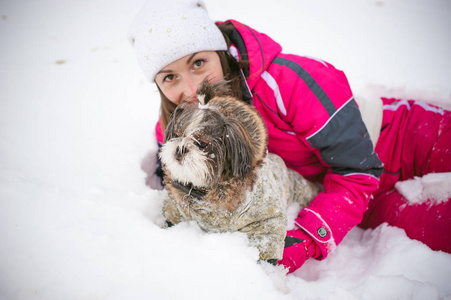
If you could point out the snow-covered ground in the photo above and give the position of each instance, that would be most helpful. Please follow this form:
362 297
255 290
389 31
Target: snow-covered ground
76 120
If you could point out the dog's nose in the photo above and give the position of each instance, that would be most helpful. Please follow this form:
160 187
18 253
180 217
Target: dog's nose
180 152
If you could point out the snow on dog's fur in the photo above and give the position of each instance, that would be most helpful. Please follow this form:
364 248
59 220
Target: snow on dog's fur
218 172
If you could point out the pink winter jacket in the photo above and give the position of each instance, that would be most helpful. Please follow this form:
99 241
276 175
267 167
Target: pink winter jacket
315 125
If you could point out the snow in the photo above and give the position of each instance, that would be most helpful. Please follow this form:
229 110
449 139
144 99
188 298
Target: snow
435 187
77 119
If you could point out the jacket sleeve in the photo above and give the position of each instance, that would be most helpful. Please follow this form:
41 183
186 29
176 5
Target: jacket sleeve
151 164
324 116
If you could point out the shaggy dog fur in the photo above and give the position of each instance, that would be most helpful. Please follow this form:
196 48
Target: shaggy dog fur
218 173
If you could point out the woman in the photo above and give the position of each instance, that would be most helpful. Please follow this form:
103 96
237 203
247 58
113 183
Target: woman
313 123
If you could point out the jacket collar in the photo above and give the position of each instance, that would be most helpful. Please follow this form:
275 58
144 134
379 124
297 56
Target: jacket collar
257 48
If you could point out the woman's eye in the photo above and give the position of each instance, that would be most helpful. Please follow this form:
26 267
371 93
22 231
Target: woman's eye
168 78
198 63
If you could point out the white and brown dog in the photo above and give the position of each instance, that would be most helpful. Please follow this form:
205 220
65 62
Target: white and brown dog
218 172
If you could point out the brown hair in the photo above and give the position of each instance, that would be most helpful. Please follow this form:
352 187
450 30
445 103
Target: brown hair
231 69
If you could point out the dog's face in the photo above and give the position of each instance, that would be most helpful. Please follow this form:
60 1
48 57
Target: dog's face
205 146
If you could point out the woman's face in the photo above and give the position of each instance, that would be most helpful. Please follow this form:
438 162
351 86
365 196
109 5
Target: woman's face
179 80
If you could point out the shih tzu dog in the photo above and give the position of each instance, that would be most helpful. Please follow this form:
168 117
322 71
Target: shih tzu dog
219 174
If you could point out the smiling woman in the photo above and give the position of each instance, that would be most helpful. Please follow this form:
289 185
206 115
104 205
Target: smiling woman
313 123
205 62
179 80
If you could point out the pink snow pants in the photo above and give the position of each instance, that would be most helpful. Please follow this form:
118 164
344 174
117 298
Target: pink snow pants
415 140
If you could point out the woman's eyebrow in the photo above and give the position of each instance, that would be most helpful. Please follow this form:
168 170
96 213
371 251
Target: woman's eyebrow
190 58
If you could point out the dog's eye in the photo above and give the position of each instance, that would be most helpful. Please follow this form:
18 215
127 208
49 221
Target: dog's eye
201 144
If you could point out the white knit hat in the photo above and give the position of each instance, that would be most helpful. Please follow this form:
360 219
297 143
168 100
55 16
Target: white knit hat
165 31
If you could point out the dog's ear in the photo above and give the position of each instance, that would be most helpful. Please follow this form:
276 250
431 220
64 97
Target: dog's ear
240 151
169 131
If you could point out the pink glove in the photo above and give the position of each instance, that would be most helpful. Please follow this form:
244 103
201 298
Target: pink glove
299 247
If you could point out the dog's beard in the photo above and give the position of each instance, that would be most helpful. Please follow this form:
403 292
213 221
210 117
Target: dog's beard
192 168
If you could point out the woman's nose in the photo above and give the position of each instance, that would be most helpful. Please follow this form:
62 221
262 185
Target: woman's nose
191 85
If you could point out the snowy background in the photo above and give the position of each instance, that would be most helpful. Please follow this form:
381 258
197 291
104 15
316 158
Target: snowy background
77 119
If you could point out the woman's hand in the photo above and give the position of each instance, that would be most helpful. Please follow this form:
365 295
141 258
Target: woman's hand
299 247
